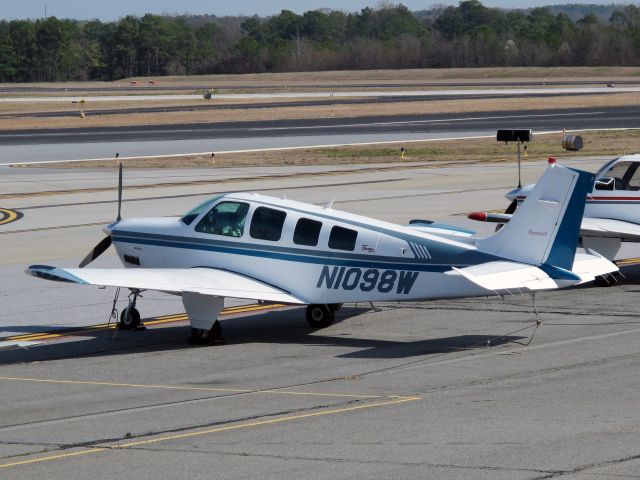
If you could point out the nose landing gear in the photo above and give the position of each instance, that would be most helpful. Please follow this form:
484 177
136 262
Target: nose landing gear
130 316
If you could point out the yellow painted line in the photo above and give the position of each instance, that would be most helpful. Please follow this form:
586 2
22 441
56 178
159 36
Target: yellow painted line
264 422
8 216
157 321
628 261
200 433
53 457
195 389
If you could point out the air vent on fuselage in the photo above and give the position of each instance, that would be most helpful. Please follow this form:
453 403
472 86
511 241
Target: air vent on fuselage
132 260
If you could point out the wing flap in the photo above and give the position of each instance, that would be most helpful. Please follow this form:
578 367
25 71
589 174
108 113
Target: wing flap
607 227
206 281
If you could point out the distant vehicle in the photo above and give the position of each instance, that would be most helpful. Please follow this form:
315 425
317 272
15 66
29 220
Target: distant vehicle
133 83
249 246
612 212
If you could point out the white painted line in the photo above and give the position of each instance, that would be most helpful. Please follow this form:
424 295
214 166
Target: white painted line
334 145
9 344
422 122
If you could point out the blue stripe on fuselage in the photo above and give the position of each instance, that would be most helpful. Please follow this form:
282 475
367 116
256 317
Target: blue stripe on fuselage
460 258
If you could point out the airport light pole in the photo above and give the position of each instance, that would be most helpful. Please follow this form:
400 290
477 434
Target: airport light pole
519 136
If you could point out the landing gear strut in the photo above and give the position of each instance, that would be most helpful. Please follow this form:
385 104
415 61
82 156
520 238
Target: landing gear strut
322 315
130 316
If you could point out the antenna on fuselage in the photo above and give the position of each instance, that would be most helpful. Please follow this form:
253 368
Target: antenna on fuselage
330 203
119 217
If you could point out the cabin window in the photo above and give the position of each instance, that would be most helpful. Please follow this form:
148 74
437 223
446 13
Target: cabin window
342 238
267 223
307 232
226 218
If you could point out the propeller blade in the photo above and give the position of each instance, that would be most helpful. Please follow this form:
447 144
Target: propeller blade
96 252
512 207
119 193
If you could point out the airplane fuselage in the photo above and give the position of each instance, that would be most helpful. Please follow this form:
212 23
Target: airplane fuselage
340 257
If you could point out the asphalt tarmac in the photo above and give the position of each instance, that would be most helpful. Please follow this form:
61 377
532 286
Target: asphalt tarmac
449 389
66 144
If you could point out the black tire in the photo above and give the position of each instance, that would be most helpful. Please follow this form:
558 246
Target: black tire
320 316
129 319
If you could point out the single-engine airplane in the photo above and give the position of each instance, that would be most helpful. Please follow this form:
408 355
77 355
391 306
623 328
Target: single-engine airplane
250 246
612 212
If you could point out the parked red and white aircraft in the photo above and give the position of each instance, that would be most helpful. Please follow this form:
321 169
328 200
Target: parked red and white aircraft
612 212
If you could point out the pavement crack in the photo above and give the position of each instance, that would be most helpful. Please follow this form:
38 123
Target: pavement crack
589 466
353 461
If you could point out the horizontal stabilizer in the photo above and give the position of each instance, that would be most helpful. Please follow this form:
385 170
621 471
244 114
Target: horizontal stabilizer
206 281
504 276
588 266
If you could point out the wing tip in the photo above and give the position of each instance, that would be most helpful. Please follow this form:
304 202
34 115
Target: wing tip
55 274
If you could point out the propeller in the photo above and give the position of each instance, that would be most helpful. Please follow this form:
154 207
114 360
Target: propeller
105 243
510 209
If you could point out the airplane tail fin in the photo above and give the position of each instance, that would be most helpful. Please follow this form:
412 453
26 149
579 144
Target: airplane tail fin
545 230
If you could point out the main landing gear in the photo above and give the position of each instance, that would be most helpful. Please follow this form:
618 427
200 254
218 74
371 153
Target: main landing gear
322 315
202 336
130 316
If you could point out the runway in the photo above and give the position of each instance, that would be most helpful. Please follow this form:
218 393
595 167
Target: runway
69 144
442 389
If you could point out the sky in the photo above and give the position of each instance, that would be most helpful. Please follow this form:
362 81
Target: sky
114 9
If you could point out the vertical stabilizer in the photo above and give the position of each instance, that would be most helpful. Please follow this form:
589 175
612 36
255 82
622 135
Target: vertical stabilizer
546 228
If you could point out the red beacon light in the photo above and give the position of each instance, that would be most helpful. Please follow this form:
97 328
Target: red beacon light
552 160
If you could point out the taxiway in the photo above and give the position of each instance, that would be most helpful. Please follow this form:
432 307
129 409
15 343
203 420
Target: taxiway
446 389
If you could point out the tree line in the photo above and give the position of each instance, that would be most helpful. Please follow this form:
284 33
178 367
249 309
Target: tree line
389 36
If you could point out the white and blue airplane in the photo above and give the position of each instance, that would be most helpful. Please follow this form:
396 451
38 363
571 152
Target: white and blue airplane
612 212
250 246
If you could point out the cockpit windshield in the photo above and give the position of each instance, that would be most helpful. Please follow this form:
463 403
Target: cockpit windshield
194 213
620 176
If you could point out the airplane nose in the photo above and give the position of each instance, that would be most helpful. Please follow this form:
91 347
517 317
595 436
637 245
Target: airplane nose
108 228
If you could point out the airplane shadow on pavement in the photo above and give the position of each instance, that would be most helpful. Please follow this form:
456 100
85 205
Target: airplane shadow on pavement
286 327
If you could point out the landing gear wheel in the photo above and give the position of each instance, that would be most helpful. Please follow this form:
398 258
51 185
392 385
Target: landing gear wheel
320 316
201 336
129 319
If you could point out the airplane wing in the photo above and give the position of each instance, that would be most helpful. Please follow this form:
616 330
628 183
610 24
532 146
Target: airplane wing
606 227
206 281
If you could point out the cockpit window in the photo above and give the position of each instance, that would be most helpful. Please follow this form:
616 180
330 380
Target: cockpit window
226 218
623 176
192 214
